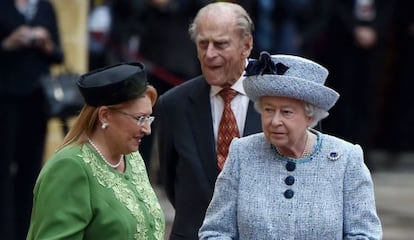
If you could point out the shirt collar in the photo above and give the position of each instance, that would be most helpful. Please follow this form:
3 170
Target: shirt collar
237 86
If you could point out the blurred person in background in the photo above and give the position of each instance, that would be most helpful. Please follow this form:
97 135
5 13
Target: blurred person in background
400 98
291 181
291 27
167 47
314 26
100 21
278 24
95 186
172 37
126 27
190 150
358 32
29 38
155 32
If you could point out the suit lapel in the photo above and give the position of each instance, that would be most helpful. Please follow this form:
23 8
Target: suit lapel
253 121
199 113
200 116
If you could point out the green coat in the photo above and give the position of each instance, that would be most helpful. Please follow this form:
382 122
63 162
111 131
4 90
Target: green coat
78 196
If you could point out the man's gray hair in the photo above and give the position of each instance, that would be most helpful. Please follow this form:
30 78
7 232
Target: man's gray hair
244 22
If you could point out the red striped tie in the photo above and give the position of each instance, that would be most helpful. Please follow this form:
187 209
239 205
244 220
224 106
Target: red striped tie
228 127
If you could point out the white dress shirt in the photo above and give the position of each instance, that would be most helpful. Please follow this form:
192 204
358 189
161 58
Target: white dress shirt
239 106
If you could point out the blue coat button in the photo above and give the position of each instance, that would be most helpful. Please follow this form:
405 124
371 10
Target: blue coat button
289 193
290 180
290 166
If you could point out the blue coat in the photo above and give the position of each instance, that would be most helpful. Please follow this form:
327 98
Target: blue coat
263 195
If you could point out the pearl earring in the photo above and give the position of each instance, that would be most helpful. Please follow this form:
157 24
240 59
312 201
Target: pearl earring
104 125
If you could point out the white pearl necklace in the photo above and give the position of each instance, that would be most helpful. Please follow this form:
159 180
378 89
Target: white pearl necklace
102 156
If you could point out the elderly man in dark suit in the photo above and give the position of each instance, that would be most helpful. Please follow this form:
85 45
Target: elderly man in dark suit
189 115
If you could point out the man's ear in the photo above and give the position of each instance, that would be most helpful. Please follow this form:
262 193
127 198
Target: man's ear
247 46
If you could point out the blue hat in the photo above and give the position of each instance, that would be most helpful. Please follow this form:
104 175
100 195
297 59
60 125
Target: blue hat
289 76
114 84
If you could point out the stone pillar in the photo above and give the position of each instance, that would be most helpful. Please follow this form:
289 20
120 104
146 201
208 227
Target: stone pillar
73 23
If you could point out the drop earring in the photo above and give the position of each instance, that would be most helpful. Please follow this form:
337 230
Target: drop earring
104 125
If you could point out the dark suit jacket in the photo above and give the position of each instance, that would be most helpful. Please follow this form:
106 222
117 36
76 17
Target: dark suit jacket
187 152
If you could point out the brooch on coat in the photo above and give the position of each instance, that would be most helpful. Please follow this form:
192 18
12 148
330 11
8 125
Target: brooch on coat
334 155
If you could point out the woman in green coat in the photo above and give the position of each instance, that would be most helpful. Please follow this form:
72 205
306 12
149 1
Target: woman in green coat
96 186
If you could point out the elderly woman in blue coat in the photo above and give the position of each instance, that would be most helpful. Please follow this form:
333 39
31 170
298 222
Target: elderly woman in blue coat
291 181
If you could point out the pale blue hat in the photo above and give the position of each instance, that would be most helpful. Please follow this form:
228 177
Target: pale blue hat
289 76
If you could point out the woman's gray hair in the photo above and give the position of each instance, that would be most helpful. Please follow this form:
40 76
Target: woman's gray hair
315 113
244 22
311 111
